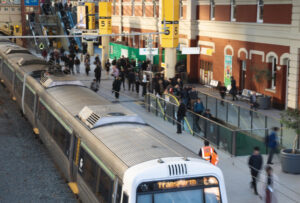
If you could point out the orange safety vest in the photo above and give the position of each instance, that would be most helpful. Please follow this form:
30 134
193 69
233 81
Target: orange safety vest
209 155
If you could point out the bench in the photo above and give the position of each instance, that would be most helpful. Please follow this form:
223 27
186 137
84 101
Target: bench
213 84
247 93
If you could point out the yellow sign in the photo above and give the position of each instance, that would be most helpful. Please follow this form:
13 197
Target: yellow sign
170 20
105 18
163 65
90 7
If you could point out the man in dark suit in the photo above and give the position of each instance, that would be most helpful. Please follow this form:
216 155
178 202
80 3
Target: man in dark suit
180 115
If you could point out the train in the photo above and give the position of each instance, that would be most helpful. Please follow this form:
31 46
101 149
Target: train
104 151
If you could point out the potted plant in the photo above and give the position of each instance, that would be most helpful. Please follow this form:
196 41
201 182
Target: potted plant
290 158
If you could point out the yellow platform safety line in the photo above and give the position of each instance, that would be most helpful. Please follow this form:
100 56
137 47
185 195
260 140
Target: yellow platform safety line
177 102
36 131
74 187
77 152
14 98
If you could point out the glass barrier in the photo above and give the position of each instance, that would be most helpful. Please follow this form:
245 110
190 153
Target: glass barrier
245 119
288 137
232 114
225 139
259 122
160 108
221 110
203 99
212 132
211 104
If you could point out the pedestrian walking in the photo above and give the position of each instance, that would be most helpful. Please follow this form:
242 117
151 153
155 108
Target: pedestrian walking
272 144
144 85
180 115
97 72
71 64
137 83
222 90
253 102
131 80
44 54
208 153
122 77
255 164
117 86
77 64
233 90
207 114
198 108
107 67
269 188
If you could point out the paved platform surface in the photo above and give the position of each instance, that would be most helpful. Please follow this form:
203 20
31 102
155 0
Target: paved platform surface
27 174
235 169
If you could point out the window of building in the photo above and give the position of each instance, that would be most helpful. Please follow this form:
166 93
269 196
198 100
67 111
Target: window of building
274 67
143 8
12 9
180 9
114 7
6 9
132 7
212 9
233 10
154 8
260 11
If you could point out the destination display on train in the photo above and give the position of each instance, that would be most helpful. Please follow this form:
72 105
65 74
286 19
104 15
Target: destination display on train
177 184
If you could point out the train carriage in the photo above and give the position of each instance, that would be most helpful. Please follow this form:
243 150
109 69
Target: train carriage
106 152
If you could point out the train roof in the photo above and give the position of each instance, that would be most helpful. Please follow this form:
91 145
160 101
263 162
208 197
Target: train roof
75 98
135 144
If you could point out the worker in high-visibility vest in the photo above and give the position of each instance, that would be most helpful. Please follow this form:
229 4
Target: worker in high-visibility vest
209 153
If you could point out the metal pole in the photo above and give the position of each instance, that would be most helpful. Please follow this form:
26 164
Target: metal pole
227 112
233 148
156 106
216 108
206 101
173 114
251 126
239 116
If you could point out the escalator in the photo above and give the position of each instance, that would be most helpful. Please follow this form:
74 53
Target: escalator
72 20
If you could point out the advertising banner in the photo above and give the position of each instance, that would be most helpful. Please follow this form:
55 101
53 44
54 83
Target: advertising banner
170 19
148 51
31 2
227 70
90 10
81 19
105 18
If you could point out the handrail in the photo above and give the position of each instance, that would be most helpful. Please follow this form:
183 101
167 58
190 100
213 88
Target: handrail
77 39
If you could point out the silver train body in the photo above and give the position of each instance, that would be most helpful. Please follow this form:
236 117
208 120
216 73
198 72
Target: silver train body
105 152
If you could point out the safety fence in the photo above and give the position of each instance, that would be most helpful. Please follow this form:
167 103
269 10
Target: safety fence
220 134
245 118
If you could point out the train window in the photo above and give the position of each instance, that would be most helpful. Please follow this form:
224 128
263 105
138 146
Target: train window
119 193
125 198
18 86
29 98
8 72
42 114
61 136
105 187
88 169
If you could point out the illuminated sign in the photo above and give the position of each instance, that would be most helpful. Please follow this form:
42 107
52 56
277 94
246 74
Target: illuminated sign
170 20
176 184
105 18
91 18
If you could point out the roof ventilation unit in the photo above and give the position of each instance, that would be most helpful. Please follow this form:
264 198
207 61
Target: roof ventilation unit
177 169
52 81
96 116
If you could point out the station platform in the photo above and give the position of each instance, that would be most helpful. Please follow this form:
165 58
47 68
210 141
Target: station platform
235 169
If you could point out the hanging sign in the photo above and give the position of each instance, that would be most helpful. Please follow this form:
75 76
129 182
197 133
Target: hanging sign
170 21
191 50
105 18
148 51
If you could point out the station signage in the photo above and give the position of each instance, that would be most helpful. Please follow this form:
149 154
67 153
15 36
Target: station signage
31 2
170 23
105 18
148 51
191 50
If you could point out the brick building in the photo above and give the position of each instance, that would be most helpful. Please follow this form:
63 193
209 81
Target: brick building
261 38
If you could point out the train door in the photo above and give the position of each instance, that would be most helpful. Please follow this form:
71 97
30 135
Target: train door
74 157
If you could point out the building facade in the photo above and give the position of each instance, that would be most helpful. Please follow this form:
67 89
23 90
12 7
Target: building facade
255 41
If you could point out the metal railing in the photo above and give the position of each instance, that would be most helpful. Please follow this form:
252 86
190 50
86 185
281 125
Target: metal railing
245 118
224 137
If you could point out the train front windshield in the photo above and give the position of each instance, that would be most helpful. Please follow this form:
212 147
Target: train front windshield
200 190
